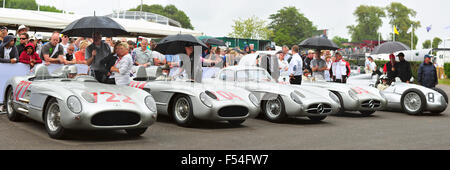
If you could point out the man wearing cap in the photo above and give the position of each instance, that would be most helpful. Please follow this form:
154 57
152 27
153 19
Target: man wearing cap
404 68
426 75
22 29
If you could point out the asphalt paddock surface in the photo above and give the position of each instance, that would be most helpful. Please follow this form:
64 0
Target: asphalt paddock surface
382 130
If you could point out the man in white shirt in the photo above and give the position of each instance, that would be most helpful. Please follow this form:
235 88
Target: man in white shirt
371 65
295 67
340 69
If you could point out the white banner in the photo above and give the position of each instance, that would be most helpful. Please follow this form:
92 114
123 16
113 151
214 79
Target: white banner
10 70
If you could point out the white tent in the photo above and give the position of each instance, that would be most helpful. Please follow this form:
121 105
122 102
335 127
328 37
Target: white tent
49 21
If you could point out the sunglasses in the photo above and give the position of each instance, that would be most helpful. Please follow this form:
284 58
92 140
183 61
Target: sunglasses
23 38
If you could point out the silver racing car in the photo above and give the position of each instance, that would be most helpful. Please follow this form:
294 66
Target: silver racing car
410 98
279 101
364 99
186 101
77 102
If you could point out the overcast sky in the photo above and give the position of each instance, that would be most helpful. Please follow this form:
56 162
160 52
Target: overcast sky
215 17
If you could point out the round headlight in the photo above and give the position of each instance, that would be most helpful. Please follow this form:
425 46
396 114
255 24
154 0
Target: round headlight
334 97
352 94
74 104
296 98
253 99
150 103
205 100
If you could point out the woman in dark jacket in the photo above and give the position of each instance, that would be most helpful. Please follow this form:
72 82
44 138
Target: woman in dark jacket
389 68
427 75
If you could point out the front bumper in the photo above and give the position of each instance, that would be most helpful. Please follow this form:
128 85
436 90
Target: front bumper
308 107
363 103
223 110
84 120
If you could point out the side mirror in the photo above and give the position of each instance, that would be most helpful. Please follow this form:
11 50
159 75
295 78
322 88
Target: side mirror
397 79
411 80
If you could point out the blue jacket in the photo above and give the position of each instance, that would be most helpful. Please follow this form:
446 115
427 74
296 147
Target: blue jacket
12 54
427 75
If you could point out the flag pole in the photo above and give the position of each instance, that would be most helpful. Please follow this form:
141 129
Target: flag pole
393 36
412 36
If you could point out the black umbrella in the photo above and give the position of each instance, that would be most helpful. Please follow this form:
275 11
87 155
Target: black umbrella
86 26
319 43
174 44
214 41
390 47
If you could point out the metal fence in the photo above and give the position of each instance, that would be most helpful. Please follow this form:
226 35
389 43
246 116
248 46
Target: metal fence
136 15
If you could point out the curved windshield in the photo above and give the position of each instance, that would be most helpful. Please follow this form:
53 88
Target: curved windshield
253 75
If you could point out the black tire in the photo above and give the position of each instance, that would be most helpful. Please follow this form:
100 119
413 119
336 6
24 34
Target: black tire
59 133
442 92
236 122
341 102
367 112
422 98
276 119
135 132
189 119
13 115
317 118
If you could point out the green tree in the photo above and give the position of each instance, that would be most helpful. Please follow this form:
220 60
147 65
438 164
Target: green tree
400 16
28 5
169 11
290 27
339 40
426 44
251 28
369 21
436 42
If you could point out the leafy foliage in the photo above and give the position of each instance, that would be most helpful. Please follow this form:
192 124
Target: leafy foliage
290 27
251 28
426 44
436 42
339 40
369 21
400 16
28 5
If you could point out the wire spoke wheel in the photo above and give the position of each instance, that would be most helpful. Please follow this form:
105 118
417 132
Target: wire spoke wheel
273 108
54 117
9 103
182 109
412 102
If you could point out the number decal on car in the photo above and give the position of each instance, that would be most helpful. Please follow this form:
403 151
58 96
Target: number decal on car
19 89
113 98
359 90
227 95
136 84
